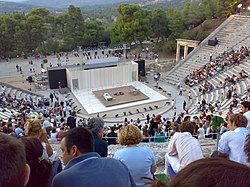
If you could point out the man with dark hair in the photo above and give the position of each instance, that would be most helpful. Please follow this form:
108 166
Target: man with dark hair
245 108
112 136
14 172
183 147
96 125
84 167
71 120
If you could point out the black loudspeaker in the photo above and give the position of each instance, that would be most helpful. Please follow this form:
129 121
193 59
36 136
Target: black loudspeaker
212 42
57 77
30 79
141 67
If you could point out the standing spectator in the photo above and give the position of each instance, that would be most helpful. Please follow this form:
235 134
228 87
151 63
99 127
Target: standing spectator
81 162
139 160
216 122
233 141
71 120
189 96
17 68
154 125
245 108
112 136
184 105
96 125
51 97
181 89
13 168
174 114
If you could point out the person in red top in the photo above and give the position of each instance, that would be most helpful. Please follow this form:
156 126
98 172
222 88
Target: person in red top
58 135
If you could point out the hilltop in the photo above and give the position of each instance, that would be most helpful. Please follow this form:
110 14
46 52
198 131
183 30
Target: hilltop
8 6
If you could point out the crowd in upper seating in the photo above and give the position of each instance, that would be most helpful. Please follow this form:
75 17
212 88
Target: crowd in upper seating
217 65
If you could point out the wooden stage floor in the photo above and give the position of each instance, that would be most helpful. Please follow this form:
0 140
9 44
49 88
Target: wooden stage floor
130 94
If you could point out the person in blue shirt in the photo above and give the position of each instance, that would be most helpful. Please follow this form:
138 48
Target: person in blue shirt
84 167
139 160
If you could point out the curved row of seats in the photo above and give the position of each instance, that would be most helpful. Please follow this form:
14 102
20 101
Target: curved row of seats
235 33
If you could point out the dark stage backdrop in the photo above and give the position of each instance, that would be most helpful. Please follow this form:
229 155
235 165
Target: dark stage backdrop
141 67
56 77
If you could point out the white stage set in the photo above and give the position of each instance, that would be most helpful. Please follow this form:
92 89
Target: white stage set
83 80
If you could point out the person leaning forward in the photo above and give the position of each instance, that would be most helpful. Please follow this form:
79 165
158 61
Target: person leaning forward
84 167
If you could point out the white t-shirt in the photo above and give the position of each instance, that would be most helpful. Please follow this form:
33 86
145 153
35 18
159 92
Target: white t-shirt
201 134
139 161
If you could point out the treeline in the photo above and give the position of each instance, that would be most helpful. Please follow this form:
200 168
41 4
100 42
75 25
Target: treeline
45 32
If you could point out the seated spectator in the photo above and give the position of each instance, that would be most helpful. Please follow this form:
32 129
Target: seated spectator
139 160
245 108
33 128
96 125
14 171
247 147
58 134
207 172
223 128
145 133
84 167
201 131
53 135
183 148
232 142
41 169
159 137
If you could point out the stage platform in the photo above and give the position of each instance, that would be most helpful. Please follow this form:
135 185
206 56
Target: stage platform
120 95
90 102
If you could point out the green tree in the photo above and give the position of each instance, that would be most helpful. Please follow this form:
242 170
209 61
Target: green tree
176 22
159 24
133 23
38 30
93 34
74 28
208 8
192 14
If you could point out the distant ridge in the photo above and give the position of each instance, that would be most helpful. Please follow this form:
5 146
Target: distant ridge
9 6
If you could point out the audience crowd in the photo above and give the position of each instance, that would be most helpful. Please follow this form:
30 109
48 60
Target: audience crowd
84 145
218 65
27 135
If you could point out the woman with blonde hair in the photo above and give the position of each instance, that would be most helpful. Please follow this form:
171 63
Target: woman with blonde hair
139 160
33 128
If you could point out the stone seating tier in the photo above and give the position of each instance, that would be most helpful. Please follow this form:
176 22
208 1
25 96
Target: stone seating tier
237 25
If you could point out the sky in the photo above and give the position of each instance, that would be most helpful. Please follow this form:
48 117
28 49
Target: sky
14 0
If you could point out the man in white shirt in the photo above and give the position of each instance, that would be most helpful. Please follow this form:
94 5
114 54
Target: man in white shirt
245 108
184 147
232 142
